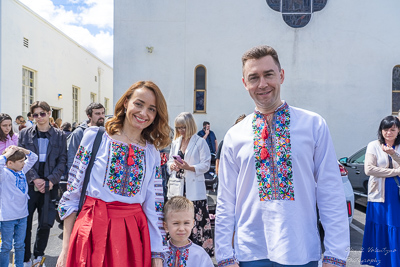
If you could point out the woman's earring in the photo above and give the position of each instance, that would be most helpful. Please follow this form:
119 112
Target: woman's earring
125 111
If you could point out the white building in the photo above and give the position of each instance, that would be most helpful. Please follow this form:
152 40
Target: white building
339 65
48 66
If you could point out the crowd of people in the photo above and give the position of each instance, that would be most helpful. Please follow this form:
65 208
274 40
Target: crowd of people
275 166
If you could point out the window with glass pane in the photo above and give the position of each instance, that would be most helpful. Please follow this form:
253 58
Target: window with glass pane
200 81
75 104
28 90
93 98
396 90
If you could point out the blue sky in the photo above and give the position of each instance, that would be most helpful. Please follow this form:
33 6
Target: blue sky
88 22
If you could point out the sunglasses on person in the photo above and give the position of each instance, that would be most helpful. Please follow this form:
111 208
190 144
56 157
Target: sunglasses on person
42 114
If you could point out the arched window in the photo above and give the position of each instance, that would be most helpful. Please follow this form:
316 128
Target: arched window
200 87
396 90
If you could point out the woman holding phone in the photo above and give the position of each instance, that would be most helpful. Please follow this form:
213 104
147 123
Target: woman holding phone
189 160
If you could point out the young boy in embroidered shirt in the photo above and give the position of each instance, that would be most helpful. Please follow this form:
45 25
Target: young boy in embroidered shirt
14 202
178 222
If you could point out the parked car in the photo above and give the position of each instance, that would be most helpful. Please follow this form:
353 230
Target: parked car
348 192
358 179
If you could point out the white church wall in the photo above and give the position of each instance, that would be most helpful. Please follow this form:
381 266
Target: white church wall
339 65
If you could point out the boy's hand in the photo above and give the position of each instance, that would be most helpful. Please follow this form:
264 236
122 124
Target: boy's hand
10 150
26 151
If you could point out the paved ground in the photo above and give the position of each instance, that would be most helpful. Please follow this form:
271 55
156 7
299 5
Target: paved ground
356 234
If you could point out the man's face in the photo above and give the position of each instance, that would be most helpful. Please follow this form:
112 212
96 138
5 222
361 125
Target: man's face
207 127
262 79
41 116
98 116
19 121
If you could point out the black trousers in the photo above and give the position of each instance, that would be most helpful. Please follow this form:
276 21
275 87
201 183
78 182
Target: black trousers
36 202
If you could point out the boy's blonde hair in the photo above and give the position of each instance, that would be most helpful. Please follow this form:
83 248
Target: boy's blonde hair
178 203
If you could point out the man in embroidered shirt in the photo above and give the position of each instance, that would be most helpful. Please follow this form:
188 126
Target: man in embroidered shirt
276 166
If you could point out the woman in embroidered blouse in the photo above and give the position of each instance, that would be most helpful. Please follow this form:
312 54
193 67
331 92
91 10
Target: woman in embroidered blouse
120 223
382 226
187 178
7 136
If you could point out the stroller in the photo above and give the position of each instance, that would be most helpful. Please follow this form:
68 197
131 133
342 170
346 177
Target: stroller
211 177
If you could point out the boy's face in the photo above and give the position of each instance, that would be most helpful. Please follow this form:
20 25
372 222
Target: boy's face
16 166
179 224
42 117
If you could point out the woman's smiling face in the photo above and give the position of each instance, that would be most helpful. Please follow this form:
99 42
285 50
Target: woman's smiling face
141 109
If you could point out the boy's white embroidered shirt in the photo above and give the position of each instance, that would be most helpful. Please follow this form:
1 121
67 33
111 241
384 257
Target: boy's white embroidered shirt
14 190
187 256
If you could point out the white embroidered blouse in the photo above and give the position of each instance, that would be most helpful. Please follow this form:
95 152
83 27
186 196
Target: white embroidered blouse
112 179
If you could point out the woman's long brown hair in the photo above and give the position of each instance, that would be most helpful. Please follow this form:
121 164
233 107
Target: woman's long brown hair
156 133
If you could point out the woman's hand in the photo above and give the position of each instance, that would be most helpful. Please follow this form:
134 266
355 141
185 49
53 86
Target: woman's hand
156 262
387 149
184 165
174 167
62 259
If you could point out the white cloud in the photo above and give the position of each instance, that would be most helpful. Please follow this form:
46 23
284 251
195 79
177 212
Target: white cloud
93 14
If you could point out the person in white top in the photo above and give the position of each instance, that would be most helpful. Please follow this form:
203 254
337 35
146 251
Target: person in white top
276 166
120 223
189 159
178 222
14 163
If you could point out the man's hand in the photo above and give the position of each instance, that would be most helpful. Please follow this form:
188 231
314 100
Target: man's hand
40 185
327 265
157 262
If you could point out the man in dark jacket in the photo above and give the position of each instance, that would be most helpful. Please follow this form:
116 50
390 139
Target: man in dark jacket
96 117
51 147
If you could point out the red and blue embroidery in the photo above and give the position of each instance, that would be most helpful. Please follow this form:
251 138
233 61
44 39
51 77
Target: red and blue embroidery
124 179
274 171
178 256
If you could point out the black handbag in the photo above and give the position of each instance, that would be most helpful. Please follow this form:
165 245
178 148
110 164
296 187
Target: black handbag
95 148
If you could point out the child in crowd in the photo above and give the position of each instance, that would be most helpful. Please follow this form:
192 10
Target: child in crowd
7 136
14 202
178 222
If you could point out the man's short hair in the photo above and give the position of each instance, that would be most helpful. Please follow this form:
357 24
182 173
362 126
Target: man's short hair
29 114
205 123
19 117
40 104
178 203
18 155
260 52
94 105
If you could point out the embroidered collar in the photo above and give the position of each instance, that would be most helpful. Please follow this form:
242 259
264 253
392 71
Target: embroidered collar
182 247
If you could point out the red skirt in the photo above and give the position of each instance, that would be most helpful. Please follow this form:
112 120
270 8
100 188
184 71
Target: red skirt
110 234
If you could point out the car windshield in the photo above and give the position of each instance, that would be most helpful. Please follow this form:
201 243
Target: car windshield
359 157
